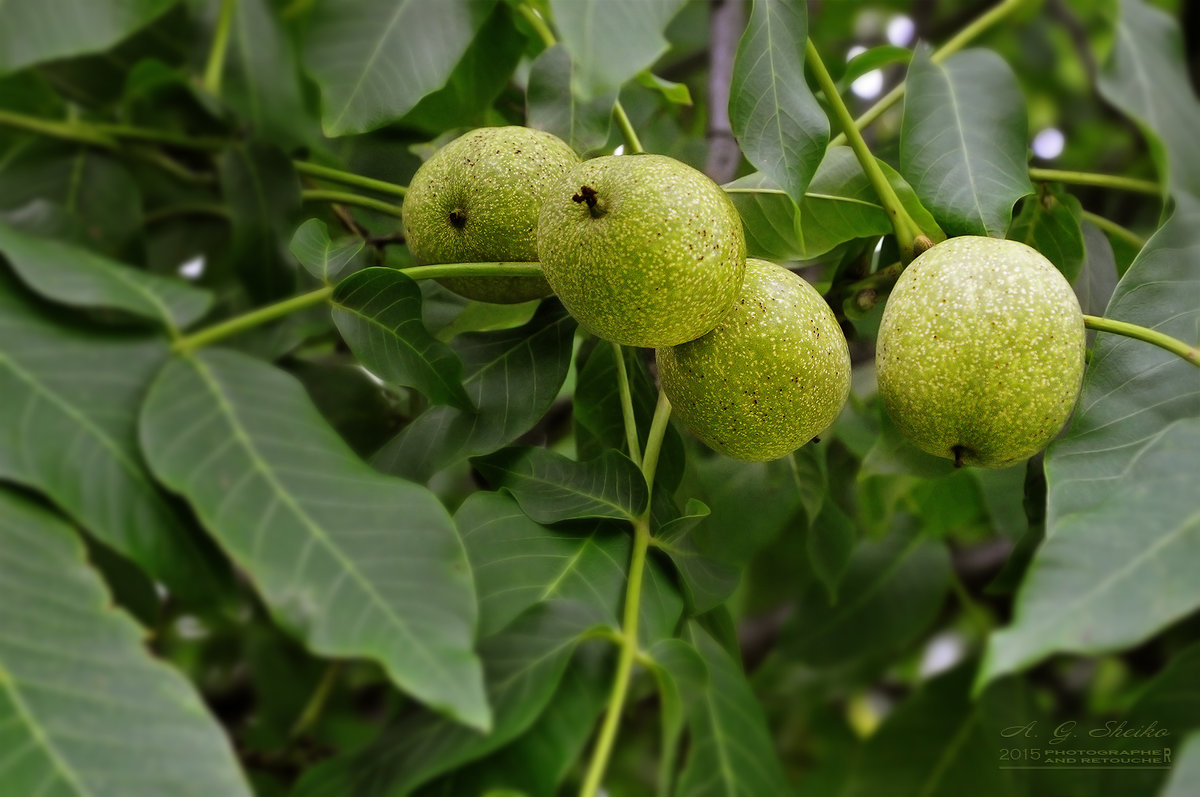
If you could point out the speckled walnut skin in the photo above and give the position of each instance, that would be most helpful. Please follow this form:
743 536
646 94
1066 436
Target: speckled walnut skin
980 351
477 200
772 374
650 254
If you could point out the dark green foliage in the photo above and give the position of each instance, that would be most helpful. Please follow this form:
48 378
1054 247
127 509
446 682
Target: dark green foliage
276 517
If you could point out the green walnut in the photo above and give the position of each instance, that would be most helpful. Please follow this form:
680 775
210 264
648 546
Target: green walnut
772 374
980 351
477 200
642 249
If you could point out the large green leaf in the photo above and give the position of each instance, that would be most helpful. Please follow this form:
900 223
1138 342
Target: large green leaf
84 708
610 41
1123 451
375 60
378 312
838 206
891 591
964 140
1113 575
524 664
357 563
1146 78
68 427
732 753
72 275
940 743
33 31
263 83
511 376
481 74
778 123
550 487
518 563
550 104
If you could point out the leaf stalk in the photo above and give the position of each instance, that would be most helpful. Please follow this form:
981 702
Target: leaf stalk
1152 336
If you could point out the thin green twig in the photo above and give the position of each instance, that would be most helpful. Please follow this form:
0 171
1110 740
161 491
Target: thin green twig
316 704
960 40
906 229
67 131
1101 180
347 198
348 178
215 67
629 620
263 315
1113 229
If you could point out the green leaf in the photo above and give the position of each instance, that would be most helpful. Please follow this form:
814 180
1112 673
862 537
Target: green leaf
375 60
518 564
550 104
732 752
540 759
964 140
34 31
1098 277
551 488
511 376
611 41
706 581
378 312
940 743
674 93
74 276
262 81
83 705
1112 575
751 503
775 117
872 59
68 427
92 191
488 317
263 192
1146 78
524 664
1050 222
678 669
356 563
839 206
892 590
482 73
831 540
320 255
1123 451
